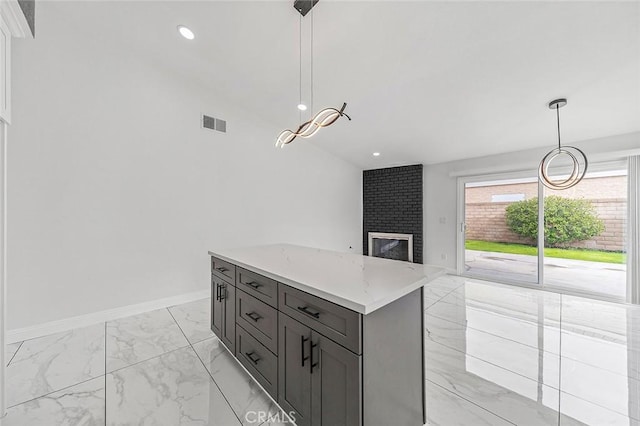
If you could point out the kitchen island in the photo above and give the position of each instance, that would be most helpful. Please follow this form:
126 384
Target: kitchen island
335 338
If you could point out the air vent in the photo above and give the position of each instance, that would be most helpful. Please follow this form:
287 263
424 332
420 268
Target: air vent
213 123
221 125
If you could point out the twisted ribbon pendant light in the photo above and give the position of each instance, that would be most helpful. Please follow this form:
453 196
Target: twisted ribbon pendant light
323 118
578 158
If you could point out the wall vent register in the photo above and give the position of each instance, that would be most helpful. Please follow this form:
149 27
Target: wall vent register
213 123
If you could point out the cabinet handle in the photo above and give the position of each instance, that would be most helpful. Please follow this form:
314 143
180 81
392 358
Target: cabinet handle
254 284
217 292
222 269
253 316
251 358
223 292
306 310
302 340
311 363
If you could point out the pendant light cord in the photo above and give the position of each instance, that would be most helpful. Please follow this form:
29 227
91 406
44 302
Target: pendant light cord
558 119
311 60
300 75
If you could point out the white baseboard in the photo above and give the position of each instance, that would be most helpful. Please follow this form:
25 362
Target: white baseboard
26 333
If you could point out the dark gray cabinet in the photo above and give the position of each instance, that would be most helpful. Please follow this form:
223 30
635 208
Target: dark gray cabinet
319 379
223 311
294 363
335 384
217 314
258 318
340 324
223 269
326 364
260 361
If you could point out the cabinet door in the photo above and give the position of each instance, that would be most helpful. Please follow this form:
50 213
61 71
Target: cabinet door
228 296
335 384
294 378
216 307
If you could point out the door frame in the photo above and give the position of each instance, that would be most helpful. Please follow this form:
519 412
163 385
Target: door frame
523 175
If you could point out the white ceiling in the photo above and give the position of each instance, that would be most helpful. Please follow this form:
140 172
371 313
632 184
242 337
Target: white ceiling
425 82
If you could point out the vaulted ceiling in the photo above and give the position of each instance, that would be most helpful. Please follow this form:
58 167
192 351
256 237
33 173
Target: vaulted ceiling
425 82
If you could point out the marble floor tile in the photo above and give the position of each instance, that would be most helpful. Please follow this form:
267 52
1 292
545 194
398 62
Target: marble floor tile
618 357
173 389
576 411
194 319
54 362
141 337
443 285
531 362
242 392
81 404
10 351
495 355
610 391
502 301
445 408
447 281
508 395
615 322
429 301
453 309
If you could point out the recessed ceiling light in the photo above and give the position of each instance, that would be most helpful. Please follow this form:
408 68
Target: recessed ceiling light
376 154
186 32
302 107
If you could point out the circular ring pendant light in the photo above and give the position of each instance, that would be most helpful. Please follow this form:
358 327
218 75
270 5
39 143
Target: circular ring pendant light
579 162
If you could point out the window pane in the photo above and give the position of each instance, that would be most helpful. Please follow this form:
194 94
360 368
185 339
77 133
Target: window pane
493 249
585 235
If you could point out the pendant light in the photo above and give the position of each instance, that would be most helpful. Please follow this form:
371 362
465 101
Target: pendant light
578 158
323 118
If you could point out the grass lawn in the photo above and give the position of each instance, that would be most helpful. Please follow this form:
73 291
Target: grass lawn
576 254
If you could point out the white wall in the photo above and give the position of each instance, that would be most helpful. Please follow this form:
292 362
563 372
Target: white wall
116 193
440 182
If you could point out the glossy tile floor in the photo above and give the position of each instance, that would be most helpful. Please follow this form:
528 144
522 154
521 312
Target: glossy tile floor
163 367
496 355
500 355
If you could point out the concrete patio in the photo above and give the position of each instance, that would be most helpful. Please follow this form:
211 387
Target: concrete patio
605 278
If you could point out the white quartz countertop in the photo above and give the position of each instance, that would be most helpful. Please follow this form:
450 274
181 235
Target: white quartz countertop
361 283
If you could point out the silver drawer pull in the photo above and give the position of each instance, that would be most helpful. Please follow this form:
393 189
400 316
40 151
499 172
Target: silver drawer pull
253 316
251 358
307 311
222 269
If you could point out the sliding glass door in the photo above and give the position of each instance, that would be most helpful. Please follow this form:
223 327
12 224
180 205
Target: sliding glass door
492 249
505 221
585 235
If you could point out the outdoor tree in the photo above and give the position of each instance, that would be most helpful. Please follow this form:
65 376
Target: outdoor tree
566 220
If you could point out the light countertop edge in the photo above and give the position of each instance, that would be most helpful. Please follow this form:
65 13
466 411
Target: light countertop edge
350 304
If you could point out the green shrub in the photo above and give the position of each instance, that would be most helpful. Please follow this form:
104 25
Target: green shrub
566 220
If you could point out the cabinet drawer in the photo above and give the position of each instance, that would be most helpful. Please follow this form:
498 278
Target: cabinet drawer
341 325
260 362
258 286
223 269
259 319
